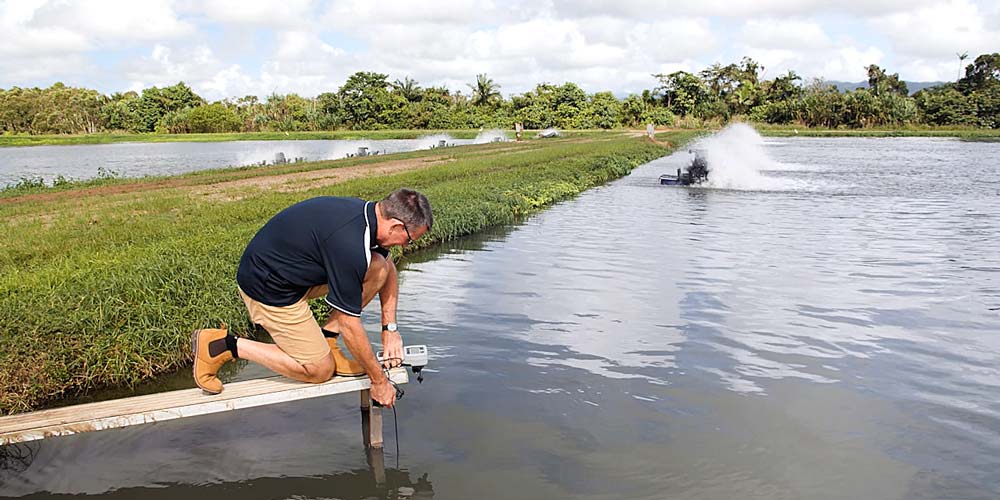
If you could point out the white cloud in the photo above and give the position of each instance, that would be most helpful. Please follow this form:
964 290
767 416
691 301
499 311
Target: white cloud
673 40
37 55
31 43
922 70
114 19
553 43
598 54
227 82
302 45
658 9
301 63
48 69
847 63
782 34
362 15
939 31
844 62
167 66
416 40
216 46
284 13
42 41
18 39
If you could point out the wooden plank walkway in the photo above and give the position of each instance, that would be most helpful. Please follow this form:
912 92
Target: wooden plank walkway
184 403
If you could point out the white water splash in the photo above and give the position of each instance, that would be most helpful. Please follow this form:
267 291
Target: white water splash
343 148
737 159
266 154
433 141
487 136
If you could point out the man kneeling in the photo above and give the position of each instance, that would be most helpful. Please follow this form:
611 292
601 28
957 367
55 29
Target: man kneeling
326 246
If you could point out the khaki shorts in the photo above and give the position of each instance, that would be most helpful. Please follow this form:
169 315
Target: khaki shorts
293 328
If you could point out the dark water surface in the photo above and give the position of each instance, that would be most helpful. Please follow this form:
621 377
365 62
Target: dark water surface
827 329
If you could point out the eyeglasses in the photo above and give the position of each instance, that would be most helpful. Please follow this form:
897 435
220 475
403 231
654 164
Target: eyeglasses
409 239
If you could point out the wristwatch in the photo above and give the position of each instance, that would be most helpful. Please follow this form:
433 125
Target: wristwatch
389 326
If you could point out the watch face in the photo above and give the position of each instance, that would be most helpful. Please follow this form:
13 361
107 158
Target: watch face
391 327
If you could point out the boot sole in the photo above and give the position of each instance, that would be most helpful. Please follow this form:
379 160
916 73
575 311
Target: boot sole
194 353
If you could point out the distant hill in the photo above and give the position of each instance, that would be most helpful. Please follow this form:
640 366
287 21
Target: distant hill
913 87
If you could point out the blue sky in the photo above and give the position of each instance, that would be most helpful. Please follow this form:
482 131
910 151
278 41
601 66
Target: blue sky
231 48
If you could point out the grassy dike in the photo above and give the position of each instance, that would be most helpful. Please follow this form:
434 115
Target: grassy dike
102 286
963 133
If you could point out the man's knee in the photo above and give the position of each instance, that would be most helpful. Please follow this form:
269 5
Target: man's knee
320 371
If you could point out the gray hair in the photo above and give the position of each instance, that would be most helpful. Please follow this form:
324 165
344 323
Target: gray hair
408 206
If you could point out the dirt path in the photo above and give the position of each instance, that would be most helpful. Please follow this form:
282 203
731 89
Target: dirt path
642 133
286 181
301 181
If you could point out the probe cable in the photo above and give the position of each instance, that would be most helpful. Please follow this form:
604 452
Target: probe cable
399 395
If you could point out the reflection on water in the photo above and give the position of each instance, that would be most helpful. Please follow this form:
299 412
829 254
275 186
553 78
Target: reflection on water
257 453
17 457
645 341
351 484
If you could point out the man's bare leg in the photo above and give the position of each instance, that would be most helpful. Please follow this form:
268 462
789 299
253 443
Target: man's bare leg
272 357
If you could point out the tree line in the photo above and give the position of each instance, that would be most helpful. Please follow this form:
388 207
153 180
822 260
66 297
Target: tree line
369 101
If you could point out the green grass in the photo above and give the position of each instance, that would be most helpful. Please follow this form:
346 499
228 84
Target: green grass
108 138
30 185
964 133
101 287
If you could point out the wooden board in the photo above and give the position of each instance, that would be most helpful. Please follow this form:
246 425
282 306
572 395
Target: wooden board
170 405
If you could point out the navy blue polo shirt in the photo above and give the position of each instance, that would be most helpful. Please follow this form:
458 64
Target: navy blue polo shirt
326 240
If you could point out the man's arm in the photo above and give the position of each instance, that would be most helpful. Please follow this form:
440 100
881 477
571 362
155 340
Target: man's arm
357 342
392 342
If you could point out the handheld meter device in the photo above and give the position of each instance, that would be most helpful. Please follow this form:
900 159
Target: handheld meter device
414 356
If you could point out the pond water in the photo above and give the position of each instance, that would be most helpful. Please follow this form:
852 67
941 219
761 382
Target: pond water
820 323
137 159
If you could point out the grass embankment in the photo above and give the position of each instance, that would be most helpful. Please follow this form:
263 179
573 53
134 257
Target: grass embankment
102 286
964 133
108 138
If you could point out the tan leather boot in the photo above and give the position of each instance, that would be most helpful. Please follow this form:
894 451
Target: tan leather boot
205 364
345 367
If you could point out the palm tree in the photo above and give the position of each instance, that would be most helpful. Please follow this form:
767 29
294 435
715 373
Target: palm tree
484 91
408 88
961 58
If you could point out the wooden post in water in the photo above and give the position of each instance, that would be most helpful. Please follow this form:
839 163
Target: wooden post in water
371 421
376 462
371 434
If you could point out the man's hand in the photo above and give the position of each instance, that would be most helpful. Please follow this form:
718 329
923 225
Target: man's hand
392 347
384 393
